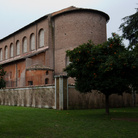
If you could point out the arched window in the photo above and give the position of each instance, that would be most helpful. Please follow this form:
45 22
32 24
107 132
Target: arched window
17 47
32 42
11 50
46 81
1 54
67 60
24 45
6 52
41 38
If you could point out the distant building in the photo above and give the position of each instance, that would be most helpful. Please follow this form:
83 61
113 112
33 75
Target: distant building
34 54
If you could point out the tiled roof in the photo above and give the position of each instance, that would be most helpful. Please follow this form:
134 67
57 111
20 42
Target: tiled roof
64 10
71 8
25 55
38 67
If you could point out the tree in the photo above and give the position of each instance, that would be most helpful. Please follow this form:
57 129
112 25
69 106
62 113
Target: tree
2 73
106 67
130 28
130 32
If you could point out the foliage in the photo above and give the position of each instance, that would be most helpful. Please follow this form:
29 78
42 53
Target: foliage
108 67
130 28
21 122
2 73
130 32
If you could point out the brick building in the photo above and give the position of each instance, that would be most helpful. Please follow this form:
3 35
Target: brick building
34 54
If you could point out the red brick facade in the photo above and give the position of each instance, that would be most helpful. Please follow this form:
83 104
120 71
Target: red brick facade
36 53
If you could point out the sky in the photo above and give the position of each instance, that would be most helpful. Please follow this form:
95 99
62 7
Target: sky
15 14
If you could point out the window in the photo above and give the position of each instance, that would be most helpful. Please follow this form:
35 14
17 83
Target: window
46 81
67 61
30 82
24 45
10 75
41 38
17 47
6 52
32 42
11 50
1 54
46 72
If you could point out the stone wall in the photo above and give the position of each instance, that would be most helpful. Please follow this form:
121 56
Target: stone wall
42 97
66 97
79 100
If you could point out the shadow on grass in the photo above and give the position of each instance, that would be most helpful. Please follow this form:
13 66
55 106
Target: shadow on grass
131 113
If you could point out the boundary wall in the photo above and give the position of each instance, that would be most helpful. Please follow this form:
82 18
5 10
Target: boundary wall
96 99
41 97
61 96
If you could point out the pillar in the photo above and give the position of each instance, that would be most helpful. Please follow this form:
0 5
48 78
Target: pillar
61 92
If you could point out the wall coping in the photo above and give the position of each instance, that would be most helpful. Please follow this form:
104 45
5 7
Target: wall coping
26 88
61 76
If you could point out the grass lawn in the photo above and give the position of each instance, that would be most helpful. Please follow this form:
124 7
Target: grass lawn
23 122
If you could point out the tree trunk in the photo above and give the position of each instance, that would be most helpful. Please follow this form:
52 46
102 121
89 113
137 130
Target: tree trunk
107 104
133 96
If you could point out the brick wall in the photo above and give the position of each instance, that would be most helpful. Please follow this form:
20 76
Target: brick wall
15 72
38 77
73 29
62 31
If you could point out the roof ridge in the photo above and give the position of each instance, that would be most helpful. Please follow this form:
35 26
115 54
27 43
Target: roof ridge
64 10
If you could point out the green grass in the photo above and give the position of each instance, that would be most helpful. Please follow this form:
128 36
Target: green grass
23 122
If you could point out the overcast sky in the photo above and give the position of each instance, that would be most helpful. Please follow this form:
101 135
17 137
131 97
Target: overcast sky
15 14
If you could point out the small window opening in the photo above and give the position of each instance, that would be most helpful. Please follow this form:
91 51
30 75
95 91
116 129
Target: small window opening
46 72
10 75
46 81
30 82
